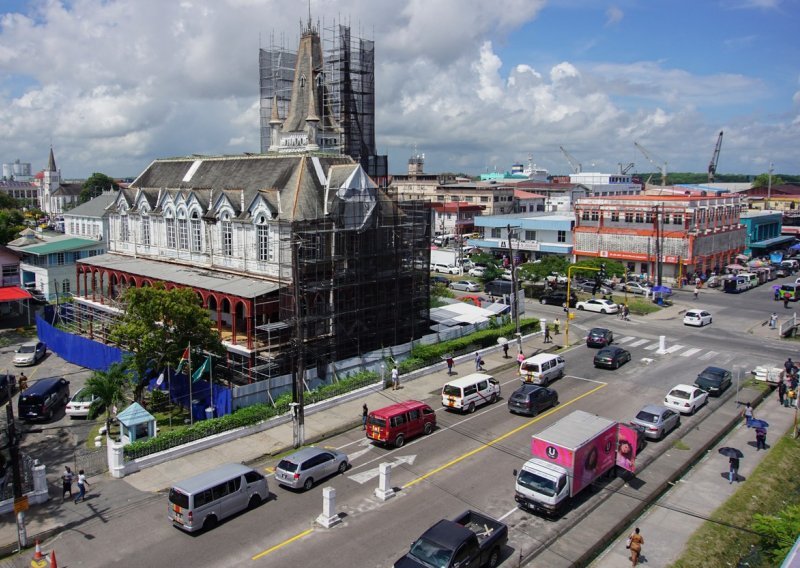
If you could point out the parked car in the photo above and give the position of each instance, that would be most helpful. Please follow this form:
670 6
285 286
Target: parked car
686 399
30 354
465 286
657 420
532 399
588 286
7 381
42 399
559 298
445 268
611 357
477 271
715 281
637 288
714 380
598 305
443 280
81 403
304 467
697 318
599 337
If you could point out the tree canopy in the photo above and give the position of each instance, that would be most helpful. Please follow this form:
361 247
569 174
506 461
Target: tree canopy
158 325
96 184
109 387
762 180
11 223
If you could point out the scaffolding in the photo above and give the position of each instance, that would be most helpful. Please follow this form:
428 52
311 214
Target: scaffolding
276 75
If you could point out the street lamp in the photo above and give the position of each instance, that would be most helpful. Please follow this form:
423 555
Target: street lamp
514 294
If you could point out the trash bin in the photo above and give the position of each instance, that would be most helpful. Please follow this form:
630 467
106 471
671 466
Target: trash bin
210 412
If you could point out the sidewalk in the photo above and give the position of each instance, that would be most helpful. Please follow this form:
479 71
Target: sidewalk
670 522
107 497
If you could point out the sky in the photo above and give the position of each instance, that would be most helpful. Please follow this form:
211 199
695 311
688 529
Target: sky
473 85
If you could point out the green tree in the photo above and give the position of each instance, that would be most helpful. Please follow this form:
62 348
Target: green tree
95 185
762 180
109 387
778 532
11 223
158 325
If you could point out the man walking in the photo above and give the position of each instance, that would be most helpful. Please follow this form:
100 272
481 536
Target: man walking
696 292
773 320
82 483
450 364
478 361
547 338
556 325
364 414
733 472
395 378
781 391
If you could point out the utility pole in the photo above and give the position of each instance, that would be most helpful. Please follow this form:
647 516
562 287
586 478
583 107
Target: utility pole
20 501
514 294
298 384
769 186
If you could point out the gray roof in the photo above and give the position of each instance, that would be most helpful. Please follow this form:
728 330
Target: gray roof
194 277
94 207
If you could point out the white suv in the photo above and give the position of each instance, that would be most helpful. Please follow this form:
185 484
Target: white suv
445 268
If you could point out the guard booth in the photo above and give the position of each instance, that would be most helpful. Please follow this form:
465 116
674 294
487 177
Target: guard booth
135 424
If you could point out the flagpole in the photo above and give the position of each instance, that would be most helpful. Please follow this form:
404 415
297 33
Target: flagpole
191 398
211 381
169 395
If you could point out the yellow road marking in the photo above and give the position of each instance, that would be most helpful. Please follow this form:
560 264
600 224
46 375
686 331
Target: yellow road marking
270 469
501 438
282 544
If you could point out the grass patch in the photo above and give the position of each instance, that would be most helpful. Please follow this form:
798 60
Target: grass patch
771 487
95 431
680 445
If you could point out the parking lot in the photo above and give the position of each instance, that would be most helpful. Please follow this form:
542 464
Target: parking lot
53 442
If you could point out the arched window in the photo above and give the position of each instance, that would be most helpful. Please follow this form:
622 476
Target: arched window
183 231
169 221
197 242
145 224
226 234
123 224
262 238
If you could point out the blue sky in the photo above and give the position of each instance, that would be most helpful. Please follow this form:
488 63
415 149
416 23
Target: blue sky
475 85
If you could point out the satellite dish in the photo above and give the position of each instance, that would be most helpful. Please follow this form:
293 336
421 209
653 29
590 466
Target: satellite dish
502 340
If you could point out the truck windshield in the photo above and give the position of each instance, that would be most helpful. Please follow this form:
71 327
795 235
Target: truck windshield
430 553
537 483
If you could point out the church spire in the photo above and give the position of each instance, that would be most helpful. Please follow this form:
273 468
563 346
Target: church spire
51 162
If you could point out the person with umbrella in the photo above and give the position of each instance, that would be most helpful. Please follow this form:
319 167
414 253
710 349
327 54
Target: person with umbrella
761 433
733 456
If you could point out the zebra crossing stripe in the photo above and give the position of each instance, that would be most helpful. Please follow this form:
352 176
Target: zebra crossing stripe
709 355
673 349
625 339
640 342
690 352
651 347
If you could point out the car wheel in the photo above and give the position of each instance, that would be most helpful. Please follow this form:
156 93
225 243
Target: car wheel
493 399
399 441
342 467
616 364
692 411
309 483
494 559
542 301
471 408
710 320
255 501
603 312
210 522
580 308
428 428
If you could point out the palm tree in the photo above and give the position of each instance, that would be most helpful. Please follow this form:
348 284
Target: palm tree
109 387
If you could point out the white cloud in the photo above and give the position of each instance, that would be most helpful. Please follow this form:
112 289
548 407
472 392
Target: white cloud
614 15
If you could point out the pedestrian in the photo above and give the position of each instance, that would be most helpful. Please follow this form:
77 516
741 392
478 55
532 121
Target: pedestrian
520 357
761 439
82 483
556 325
505 350
395 378
635 542
626 312
748 414
364 414
477 361
66 482
547 338
23 382
733 472
788 365
781 391
773 320
696 292
450 364
786 302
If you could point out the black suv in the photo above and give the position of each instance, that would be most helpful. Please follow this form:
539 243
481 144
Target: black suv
714 380
559 298
43 399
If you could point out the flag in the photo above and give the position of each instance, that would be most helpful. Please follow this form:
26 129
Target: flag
184 360
198 374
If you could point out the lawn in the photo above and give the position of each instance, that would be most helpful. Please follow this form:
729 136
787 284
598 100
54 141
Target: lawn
727 537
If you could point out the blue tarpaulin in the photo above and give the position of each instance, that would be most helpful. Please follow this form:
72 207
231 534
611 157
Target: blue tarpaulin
76 349
178 386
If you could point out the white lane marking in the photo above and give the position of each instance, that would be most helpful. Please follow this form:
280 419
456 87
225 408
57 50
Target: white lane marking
709 355
673 349
651 347
354 455
370 474
640 342
626 339
511 512
690 352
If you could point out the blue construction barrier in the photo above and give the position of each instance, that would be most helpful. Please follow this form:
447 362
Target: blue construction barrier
74 348
199 398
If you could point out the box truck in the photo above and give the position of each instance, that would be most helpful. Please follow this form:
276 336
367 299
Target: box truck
567 458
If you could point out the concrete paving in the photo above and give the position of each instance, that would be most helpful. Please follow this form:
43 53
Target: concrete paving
109 498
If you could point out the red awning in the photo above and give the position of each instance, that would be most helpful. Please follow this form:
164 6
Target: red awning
11 293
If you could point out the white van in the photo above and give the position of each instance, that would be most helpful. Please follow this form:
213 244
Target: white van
542 368
466 393
204 500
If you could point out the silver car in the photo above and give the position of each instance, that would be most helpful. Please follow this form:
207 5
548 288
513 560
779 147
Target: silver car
657 420
306 466
29 354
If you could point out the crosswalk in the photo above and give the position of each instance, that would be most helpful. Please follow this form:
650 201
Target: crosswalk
677 349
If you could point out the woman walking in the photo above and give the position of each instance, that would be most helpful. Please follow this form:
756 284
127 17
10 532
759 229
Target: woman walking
636 541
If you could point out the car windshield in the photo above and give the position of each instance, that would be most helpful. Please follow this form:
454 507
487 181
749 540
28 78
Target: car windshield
678 393
82 396
645 416
605 353
537 483
178 498
27 349
287 465
430 553
709 378
597 333
450 390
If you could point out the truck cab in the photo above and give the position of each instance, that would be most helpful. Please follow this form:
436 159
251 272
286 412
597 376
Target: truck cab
541 487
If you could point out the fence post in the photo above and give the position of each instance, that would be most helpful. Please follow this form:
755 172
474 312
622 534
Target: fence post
116 458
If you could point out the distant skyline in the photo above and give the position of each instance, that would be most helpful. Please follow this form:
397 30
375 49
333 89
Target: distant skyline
473 85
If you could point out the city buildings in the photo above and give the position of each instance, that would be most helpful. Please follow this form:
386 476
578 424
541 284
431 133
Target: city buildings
661 236
529 236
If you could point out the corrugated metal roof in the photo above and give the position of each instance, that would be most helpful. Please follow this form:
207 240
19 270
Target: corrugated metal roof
64 245
94 207
203 278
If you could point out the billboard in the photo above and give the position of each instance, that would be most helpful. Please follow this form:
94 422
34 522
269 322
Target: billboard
626 448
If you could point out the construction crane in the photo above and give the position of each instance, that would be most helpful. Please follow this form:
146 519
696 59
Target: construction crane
626 169
659 167
576 165
712 165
